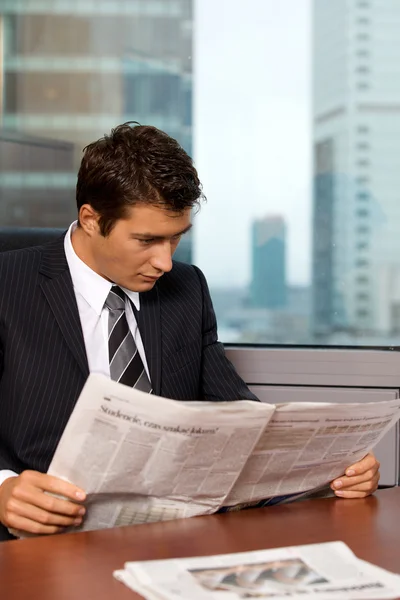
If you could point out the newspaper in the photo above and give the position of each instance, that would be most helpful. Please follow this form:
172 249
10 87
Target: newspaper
142 458
326 571
306 445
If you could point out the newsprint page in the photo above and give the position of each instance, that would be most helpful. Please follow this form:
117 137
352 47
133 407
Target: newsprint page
142 458
326 571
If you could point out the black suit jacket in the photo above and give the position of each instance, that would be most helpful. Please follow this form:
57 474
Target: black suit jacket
43 363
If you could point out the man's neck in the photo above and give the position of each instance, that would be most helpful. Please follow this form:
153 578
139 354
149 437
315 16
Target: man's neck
82 249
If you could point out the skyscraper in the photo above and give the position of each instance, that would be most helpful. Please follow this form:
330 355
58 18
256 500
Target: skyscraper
268 284
26 164
72 70
356 125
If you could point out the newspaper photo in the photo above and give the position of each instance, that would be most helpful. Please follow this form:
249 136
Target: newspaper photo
141 458
328 571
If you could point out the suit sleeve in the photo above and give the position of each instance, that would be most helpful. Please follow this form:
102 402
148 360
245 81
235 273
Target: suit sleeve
6 466
219 379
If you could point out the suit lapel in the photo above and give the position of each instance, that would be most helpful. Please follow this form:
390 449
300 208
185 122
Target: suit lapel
58 290
150 332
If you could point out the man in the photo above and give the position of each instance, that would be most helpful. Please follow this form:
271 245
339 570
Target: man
107 298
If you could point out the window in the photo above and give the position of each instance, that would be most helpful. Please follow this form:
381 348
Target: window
288 196
363 162
362 262
362 246
362 280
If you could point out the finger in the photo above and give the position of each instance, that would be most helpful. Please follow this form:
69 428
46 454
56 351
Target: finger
19 509
54 485
346 482
366 487
348 495
36 497
22 524
365 464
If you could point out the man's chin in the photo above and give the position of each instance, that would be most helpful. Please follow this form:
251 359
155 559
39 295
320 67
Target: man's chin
139 284
148 286
143 286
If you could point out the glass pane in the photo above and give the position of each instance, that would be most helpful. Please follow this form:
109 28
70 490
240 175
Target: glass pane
291 111
253 148
297 133
70 70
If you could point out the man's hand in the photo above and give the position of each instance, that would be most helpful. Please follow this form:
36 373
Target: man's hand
25 507
360 480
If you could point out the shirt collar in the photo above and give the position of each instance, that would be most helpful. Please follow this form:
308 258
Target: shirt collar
90 285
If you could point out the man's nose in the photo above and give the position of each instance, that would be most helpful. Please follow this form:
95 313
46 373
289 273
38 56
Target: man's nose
162 259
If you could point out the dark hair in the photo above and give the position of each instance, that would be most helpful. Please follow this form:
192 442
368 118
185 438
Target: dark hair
132 165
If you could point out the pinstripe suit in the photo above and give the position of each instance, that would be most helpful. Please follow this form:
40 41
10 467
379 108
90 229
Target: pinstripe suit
43 361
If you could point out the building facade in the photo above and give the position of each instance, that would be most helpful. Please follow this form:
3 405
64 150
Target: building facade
268 283
356 204
70 70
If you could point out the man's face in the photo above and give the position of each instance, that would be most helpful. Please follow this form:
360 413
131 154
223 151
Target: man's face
139 248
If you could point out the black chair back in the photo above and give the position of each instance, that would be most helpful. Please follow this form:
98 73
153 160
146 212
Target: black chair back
14 238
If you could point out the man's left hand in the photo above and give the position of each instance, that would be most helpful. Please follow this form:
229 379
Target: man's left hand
360 480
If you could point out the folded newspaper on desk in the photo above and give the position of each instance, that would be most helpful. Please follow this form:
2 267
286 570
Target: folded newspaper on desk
142 458
326 571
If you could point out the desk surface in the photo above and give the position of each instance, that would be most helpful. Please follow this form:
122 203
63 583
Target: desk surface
79 566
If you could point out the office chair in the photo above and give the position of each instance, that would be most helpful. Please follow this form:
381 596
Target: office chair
13 238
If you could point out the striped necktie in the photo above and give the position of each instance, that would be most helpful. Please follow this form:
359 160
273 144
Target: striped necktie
126 366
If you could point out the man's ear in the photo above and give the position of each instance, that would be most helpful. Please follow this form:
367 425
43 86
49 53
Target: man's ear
89 220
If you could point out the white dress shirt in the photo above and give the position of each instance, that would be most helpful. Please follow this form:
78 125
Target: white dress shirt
91 291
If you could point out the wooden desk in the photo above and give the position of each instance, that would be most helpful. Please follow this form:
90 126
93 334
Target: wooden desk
79 566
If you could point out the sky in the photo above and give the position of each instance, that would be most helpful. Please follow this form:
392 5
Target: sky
252 131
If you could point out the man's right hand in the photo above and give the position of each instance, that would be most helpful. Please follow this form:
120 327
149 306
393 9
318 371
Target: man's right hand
25 507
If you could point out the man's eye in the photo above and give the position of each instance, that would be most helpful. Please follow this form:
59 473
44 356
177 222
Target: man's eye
147 242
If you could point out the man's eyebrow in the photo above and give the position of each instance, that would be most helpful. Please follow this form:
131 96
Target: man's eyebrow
151 236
